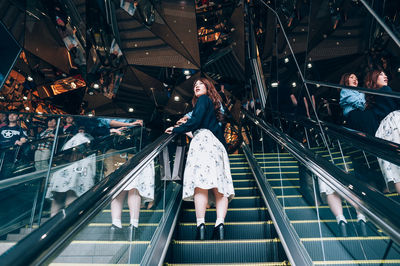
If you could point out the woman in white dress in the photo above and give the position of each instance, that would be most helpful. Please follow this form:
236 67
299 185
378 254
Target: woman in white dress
387 113
207 175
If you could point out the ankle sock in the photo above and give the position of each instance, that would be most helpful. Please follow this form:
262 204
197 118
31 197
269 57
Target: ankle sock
361 217
341 218
200 221
219 221
135 222
117 223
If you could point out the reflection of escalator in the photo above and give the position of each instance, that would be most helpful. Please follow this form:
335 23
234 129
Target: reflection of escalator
250 235
318 231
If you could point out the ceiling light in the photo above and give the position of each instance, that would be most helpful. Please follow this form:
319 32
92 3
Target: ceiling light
286 60
337 43
147 53
96 86
90 114
205 19
25 98
2 97
294 84
309 65
325 36
176 98
398 69
130 110
274 84
168 120
27 108
186 72
318 85
30 78
90 92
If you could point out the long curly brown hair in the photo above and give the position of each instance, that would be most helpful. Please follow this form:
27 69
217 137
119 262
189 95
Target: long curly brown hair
370 83
213 94
344 80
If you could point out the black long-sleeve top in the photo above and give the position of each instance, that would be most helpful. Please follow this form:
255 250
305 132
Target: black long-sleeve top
384 105
203 116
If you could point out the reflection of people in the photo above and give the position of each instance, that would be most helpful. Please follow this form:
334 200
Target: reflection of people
141 189
207 171
42 153
353 104
72 181
387 112
10 135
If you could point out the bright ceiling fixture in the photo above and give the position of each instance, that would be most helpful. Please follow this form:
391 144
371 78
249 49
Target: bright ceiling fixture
176 98
274 84
130 110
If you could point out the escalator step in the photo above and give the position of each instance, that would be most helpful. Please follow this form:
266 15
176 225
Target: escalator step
237 202
100 251
309 213
233 215
351 248
227 251
145 217
329 228
281 263
235 230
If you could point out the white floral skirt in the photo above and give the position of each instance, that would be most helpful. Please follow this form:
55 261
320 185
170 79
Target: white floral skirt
207 167
389 129
78 177
144 183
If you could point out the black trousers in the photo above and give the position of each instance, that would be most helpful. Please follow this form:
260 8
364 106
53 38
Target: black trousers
364 121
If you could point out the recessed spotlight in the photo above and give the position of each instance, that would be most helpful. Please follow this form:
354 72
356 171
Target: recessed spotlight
205 19
286 60
147 53
337 43
349 33
309 65
168 120
96 86
325 36
176 98
25 98
274 84
186 72
398 69
90 92
135 44
294 84
130 110
27 108
2 97
30 78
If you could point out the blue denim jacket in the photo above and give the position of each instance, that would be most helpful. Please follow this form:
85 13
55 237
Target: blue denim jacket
351 100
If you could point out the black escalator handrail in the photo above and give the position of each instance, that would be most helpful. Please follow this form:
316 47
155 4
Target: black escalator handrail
45 242
360 89
383 211
381 148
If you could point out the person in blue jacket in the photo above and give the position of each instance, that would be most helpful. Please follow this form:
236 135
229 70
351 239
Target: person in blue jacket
386 110
207 176
353 104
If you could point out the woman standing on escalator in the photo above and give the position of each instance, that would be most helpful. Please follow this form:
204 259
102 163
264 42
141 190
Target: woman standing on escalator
386 110
207 174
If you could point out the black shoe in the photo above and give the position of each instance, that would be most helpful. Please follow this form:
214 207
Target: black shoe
362 228
201 232
116 233
133 233
218 233
343 228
